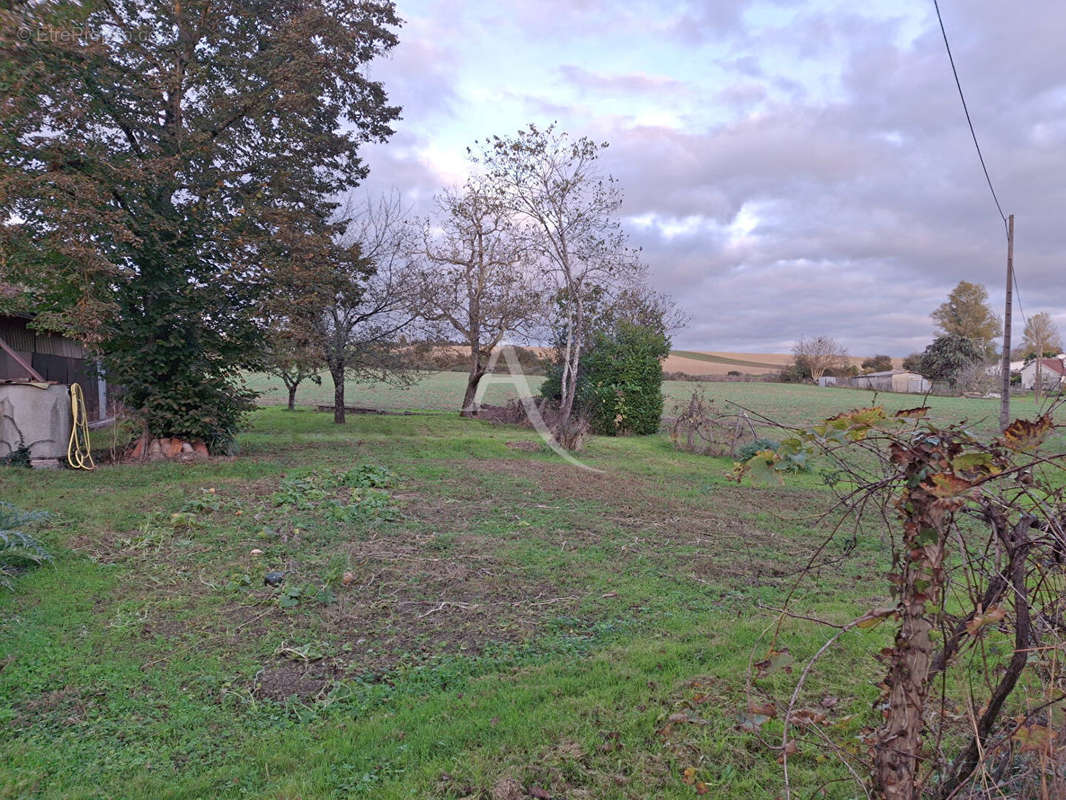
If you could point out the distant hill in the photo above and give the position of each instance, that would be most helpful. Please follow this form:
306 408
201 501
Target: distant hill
695 362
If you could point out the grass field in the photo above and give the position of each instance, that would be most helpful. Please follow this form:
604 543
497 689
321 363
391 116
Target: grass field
462 615
694 362
791 404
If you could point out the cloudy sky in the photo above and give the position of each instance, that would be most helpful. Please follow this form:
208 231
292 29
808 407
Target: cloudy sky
790 168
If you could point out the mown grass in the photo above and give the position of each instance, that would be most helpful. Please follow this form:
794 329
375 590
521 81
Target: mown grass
511 623
790 404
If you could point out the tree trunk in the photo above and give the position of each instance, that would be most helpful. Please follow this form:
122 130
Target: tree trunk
898 742
572 361
470 408
292 395
336 371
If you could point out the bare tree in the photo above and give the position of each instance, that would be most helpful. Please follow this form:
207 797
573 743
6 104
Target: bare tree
818 354
358 296
570 213
474 279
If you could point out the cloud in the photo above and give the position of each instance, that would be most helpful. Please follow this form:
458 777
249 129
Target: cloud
634 83
789 168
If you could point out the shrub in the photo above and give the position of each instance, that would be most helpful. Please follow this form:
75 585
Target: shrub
620 388
18 549
749 450
950 357
878 363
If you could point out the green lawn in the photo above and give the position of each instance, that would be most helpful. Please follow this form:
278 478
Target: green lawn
462 615
791 404
440 391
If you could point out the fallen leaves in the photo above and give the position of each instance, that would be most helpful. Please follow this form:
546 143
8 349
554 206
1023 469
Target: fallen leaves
688 776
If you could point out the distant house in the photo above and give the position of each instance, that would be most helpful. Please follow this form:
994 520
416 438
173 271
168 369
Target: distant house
993 369
893 380
1052 373
29 355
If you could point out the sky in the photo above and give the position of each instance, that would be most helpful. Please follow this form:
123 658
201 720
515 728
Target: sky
790 168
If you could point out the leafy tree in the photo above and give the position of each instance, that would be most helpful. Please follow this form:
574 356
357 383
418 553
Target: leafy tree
966 314
619 386
949 357
1041 338
569 210
353 301
878 363
815 356
155 167
475 279
913 362
293 364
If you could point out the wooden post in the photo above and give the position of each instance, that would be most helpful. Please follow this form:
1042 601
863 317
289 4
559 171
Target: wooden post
1004 403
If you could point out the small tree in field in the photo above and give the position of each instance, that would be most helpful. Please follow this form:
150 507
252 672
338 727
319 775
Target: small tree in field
622 380
352 300
817 354
570 215
293 364
619 385
475 279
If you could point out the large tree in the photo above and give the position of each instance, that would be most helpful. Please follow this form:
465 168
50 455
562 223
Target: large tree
570 210
1041 339
155 158
814 355
949 358
966 313
475 279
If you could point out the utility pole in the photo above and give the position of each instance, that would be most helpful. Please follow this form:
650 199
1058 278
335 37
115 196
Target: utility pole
1004 403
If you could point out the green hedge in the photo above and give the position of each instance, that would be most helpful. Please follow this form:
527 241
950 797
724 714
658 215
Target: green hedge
620 380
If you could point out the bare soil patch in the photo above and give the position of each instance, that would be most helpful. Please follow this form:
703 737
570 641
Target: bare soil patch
286 680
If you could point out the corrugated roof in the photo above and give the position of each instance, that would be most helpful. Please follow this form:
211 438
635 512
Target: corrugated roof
888 373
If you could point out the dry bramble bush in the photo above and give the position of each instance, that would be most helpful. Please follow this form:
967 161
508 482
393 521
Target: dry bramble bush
971 700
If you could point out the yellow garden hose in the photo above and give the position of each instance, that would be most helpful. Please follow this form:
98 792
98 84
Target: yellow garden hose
78 453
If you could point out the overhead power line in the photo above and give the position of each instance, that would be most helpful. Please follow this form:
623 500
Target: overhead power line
1008 226
969 119
1018 296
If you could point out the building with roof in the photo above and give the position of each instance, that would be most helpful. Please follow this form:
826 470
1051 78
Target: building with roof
892 380
1052 373
29 356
